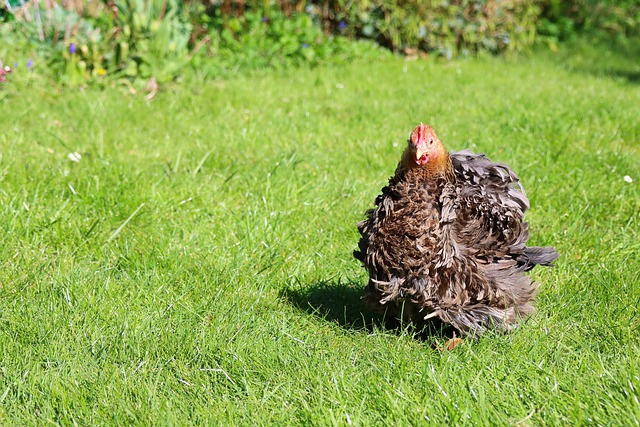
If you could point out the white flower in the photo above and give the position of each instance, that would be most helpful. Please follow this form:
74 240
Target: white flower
74 157
628 179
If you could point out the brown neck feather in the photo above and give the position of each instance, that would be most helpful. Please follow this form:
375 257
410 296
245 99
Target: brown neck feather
440 167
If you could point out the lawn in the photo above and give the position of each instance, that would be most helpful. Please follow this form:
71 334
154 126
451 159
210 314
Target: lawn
191 264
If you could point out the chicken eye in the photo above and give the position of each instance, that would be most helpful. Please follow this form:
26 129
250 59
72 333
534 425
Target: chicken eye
431 142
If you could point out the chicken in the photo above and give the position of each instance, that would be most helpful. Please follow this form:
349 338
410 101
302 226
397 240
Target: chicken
446 240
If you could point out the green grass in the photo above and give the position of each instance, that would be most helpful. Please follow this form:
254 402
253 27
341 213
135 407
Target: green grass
194 267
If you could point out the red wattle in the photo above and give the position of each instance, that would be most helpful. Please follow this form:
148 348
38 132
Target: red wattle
423 159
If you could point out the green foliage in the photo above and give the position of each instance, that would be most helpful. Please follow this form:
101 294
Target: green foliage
141 39
562 20
137 40
447 27
152 38
270 39
49 33
6 15
15 53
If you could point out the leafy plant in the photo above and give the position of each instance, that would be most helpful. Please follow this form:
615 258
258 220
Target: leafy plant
562 20
445 27
269 38
51 31
151 38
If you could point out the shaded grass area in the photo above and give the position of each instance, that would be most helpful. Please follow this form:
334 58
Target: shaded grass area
194 266
333 301
617 60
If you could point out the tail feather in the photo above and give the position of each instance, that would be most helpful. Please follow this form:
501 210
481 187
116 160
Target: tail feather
536 255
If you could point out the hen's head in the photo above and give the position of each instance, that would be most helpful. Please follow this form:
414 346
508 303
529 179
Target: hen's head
425 150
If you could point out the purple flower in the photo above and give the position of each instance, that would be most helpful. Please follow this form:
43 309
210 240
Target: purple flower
30 64
305 45
72 48
15 64
265 19
342 25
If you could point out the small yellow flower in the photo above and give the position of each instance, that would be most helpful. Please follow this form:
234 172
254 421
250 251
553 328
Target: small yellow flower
101 71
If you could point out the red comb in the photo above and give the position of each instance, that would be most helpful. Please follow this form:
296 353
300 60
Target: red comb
418 133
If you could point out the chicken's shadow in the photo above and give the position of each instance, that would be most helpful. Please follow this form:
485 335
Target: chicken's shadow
334 301
341 302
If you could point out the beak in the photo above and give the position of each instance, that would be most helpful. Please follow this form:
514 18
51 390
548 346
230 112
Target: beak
420 151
